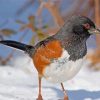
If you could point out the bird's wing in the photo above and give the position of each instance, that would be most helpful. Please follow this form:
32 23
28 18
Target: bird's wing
45 53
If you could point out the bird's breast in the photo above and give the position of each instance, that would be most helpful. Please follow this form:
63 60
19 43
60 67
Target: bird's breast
53 62
62 69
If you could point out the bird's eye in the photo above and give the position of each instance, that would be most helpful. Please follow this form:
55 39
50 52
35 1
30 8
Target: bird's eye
87 26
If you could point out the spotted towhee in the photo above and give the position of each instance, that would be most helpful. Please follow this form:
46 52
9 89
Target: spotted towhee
58 58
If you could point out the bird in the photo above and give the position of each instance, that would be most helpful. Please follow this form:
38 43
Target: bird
59 57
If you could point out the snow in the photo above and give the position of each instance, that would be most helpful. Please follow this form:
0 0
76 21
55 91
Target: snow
19 82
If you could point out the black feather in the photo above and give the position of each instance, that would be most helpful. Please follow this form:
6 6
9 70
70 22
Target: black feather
21 46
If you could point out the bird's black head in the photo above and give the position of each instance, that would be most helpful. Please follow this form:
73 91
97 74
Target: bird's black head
73 36
83 25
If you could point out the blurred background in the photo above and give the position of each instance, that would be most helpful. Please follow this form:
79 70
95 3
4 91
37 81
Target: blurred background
30 21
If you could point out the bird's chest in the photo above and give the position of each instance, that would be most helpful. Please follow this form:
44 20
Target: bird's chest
62 69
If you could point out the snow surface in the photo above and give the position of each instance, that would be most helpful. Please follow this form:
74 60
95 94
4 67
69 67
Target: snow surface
19 82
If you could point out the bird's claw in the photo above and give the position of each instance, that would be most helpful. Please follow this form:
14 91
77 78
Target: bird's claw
39 98
66 98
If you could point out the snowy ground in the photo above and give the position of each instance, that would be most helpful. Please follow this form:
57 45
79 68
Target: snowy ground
19 82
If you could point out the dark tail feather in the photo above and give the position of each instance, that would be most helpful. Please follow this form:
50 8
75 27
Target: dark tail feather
17 45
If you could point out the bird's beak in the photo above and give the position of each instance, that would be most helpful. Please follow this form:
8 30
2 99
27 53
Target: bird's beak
94 31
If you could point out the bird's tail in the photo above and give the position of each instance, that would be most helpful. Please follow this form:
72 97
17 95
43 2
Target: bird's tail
18 45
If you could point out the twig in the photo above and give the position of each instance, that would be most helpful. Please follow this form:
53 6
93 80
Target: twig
53 10
97 20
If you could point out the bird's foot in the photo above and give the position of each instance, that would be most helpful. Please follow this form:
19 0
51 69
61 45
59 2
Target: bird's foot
66 98
39 97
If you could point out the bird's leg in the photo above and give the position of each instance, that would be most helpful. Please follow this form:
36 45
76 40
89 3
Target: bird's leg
39 94
64 91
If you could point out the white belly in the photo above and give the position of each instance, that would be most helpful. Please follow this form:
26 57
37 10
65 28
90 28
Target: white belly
62 70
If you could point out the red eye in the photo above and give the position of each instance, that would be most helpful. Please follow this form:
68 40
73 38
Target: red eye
87 26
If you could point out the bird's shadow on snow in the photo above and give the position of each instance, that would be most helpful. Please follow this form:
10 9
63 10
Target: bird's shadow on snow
75 94
78 94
